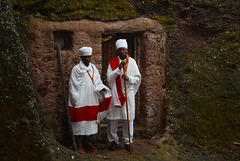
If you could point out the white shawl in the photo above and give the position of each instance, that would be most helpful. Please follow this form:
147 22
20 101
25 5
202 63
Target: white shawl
88 102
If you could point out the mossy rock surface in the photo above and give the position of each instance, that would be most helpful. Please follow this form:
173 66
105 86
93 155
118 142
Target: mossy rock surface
203 81
73 10
206 94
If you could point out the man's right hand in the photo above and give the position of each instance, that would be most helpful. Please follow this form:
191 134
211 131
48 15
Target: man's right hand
125 77
122 64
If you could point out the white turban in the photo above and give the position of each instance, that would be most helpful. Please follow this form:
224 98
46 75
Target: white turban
85 51
121 43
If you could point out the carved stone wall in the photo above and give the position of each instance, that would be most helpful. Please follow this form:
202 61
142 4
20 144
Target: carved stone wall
154 80
43 60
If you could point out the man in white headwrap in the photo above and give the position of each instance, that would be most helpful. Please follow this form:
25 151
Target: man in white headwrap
89 100
117 110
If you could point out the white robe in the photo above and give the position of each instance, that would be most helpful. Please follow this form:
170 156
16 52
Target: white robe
88 103
116 111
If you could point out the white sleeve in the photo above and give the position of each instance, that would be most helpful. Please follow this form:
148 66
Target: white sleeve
134 79
112 75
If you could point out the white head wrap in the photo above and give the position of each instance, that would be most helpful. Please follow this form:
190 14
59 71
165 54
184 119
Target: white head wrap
121 43
85 51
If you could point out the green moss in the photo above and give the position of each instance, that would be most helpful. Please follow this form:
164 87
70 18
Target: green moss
69 10
21 29
208 88
147 3
166 21
21 123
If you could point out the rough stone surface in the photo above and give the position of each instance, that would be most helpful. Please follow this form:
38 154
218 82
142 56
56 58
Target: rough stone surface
22 135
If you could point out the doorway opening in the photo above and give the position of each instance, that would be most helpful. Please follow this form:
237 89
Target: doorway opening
134 51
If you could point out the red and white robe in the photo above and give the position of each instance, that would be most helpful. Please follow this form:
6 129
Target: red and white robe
88 99
117 109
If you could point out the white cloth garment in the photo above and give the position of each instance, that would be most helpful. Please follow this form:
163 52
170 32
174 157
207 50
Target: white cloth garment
113 129
88 102
117 111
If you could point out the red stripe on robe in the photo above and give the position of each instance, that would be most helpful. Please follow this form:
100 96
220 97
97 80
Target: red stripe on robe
115 63
105 104
88 113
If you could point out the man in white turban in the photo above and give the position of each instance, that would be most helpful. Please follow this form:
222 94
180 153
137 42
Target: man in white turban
89 101
117 110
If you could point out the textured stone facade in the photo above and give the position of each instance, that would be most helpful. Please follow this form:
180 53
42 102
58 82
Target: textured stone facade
150 54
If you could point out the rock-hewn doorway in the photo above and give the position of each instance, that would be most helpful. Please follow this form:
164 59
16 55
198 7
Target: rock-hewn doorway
146 39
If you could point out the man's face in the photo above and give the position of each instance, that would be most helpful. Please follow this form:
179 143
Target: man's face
122 53
86 60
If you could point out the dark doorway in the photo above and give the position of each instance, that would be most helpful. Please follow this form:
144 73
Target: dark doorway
134 51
